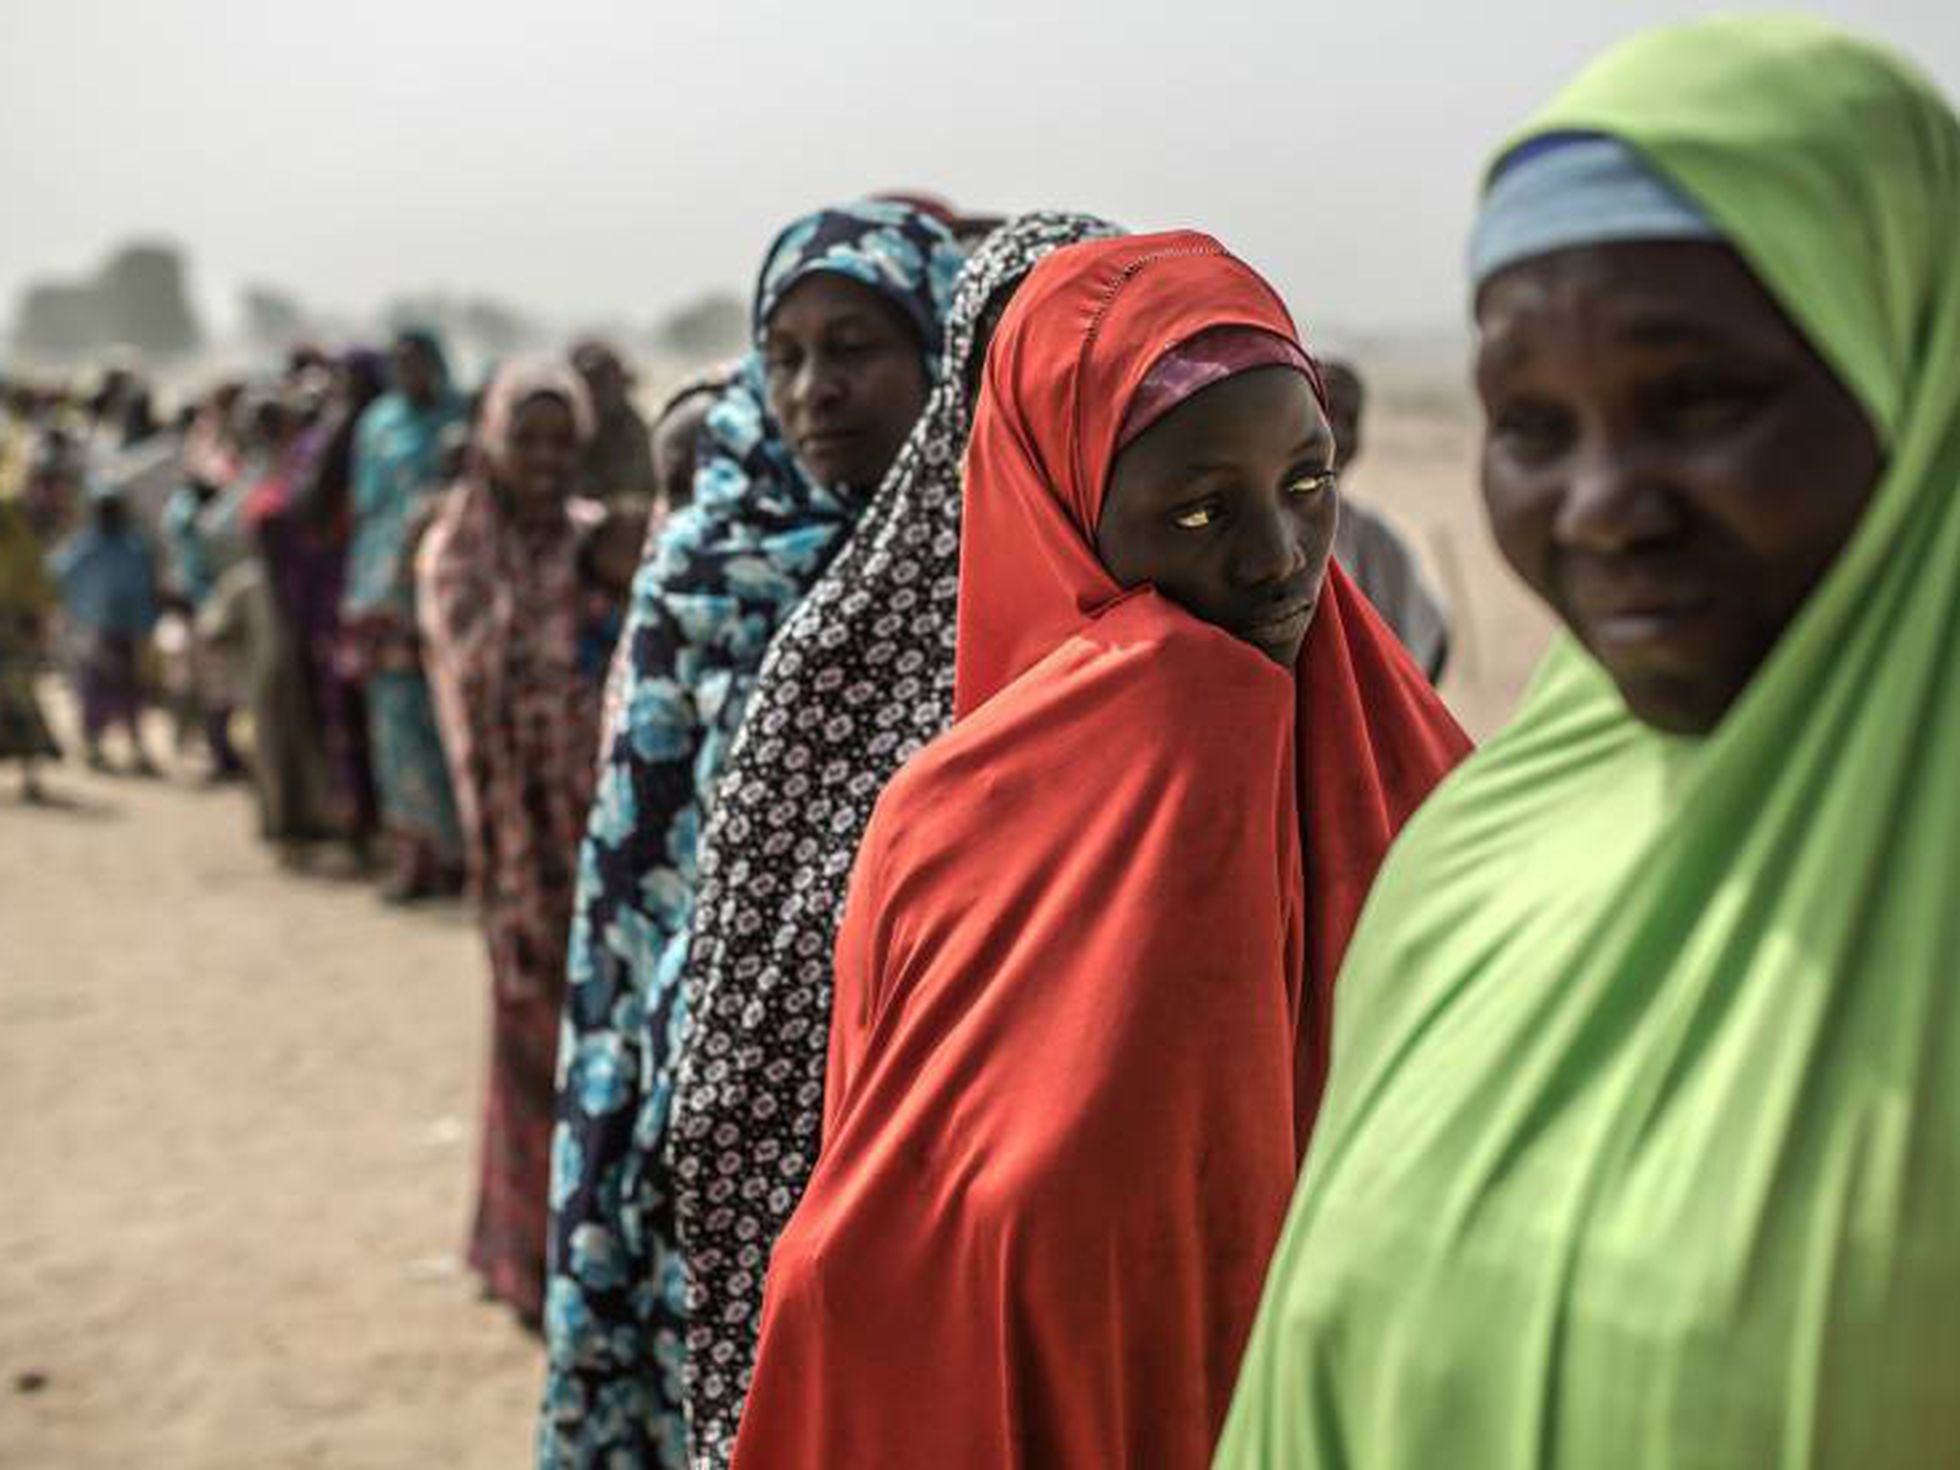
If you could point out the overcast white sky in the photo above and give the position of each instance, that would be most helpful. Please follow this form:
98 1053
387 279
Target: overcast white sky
586 158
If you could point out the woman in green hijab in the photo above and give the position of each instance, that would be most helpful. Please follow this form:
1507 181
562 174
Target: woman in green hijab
1642 1145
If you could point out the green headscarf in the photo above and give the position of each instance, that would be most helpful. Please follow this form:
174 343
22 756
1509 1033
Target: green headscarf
1642 1145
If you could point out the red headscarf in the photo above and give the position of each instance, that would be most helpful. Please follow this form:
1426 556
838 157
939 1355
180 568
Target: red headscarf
1080 339
1079 1028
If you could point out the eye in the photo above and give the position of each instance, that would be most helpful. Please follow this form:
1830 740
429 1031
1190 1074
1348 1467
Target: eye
1529 430
1311 482
1198 517
1703 400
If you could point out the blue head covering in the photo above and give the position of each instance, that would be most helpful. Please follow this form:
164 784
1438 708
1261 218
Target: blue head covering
906 256
430 342
1567 189
397 461
725 573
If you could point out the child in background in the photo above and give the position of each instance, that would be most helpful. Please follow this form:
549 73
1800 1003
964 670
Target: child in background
107 579
200 531
609 555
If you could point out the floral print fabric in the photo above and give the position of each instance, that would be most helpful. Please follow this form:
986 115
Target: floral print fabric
500 611
727 571
860 677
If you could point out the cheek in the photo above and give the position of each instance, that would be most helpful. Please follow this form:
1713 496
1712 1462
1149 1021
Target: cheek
1521 506
1790 504
1134 549
1318 517
542 458
896 385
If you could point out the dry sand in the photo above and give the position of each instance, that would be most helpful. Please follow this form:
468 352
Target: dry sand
238 1107
237 1130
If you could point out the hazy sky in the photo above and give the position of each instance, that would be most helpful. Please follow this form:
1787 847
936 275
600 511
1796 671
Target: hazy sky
587 158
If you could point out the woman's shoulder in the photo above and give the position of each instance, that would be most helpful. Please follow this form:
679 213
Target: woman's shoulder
1144 681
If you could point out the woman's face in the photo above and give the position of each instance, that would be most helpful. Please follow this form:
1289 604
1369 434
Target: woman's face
845 376
1666 463
416 372
541 459
1227 506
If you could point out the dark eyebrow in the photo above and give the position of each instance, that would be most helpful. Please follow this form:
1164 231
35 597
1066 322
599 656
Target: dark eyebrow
852 317
1498 351
1317 440
1669 329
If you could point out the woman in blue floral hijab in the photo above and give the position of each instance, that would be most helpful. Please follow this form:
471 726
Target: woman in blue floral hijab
847 325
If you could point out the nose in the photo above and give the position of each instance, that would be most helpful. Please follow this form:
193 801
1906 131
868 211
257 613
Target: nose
1614 501
817 383
1268 549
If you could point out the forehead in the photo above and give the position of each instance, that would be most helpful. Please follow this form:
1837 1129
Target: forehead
544 407
1260 413
826 299
1631 296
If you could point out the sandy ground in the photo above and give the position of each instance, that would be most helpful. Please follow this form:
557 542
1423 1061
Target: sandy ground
237 1130
238 1107
1419 465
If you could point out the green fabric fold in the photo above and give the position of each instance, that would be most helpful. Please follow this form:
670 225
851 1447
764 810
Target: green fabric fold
1642 1145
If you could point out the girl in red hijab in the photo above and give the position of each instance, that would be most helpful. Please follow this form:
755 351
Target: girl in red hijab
1084 972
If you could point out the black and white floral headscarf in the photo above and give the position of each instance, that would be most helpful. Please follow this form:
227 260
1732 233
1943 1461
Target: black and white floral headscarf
858 678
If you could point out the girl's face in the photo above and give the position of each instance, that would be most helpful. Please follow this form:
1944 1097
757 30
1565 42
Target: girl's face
1666 462
1227 506
541 459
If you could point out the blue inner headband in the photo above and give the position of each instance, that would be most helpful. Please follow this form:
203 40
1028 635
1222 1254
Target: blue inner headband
1570 189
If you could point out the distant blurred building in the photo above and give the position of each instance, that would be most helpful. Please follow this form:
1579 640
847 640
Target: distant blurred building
138 300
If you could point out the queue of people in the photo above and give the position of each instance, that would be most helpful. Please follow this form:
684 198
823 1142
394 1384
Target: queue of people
1001 955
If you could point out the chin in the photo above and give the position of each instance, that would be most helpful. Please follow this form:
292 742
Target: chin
823 471
1675 706
1286 655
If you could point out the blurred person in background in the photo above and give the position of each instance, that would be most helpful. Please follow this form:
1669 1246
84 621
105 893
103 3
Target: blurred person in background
200 538
27 597
618 460
322 526
501 609
1372 551
846 325
52 495
677 438
107 579
17 436
263 611
210 452
397 466
609 554
144 459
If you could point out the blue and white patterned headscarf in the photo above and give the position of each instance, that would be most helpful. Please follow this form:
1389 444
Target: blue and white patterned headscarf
905 256
726 572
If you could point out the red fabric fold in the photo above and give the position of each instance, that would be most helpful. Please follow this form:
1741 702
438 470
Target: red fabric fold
1084 976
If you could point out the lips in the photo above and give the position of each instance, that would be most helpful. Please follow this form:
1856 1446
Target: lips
1642 616
1282 630
819 442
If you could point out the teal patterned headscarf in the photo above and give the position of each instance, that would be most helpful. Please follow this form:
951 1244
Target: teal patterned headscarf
724 575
